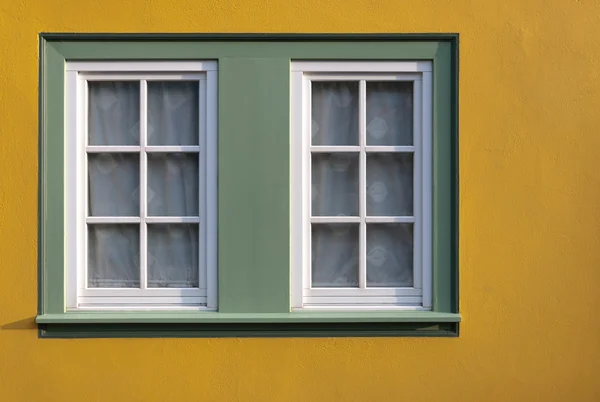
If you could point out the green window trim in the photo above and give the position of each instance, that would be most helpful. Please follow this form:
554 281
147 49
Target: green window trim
253 259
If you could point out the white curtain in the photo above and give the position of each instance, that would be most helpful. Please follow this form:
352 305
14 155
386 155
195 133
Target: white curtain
335 184
114 184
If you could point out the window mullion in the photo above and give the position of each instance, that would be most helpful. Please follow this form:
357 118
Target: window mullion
362 124
143 183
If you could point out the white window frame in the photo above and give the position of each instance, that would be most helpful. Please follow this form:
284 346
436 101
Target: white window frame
418 297
79 296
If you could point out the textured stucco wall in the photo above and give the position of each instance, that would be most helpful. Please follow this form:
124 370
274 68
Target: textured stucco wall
529 230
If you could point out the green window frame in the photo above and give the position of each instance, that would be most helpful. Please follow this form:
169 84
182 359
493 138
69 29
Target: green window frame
253 257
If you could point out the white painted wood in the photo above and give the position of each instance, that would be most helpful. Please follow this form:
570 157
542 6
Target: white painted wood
363 297
390 219
296 197
333 149
397 67
306 181
143 184
142 307
427 177
142 300
136 76
112 219
357 292
362 183
360 307
82 193
362 76
417 186
184 148
76 207
202 178
141 66
92 149
365 300
334 219
149 292
211 187
385 148
173 219
72 232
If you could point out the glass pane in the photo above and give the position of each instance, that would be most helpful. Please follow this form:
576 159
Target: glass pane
389 113
113 256
390 184
173 184
335 255
334 188
334 113
114 184
114 113
390 255
173 113
173 256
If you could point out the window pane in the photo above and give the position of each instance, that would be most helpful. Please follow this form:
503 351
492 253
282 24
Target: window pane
334 113
334 189
173 184
173 113
173 256
335 255
114 182
389 113
390 184
390 255
114 113
113 256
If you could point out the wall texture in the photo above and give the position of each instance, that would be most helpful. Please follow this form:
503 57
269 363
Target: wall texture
529 230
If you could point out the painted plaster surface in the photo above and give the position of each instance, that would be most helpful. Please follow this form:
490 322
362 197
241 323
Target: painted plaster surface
529 229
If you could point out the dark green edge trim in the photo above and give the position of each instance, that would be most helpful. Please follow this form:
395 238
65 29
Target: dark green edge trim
454 112
247 37
40 276
250 330
289 329
41 46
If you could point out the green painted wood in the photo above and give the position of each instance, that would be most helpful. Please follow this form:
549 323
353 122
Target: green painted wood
263 330
157 317
443 180
224 49
253 180
51 182
254 207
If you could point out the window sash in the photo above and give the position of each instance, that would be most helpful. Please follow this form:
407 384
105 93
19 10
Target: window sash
79 295
304 296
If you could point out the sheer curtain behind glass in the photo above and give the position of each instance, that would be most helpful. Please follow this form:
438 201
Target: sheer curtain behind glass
114 184
335 183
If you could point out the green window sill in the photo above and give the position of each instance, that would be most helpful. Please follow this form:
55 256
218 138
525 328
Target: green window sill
212 324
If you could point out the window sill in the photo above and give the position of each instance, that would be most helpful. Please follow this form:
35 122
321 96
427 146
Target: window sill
213 325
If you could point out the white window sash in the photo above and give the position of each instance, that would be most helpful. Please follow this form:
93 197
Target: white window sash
79 296
303 295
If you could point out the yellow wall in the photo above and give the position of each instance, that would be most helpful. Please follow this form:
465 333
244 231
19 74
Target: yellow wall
529 229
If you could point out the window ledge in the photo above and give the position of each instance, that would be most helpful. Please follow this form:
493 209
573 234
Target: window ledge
212 324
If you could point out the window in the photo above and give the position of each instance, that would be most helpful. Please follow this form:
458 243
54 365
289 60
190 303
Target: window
362 170
248 185
141 178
